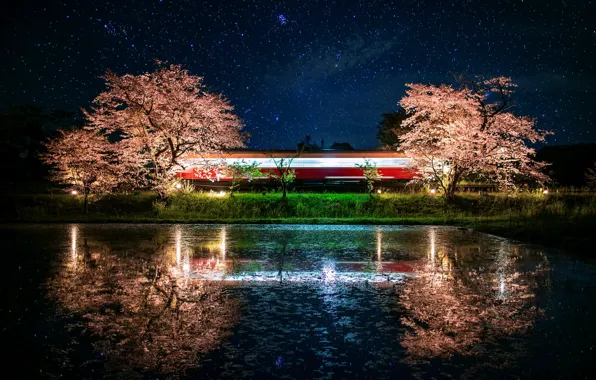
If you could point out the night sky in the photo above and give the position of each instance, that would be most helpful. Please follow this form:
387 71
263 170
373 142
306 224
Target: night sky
324 68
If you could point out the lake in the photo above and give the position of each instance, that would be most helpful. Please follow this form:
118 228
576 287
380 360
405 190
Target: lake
291 301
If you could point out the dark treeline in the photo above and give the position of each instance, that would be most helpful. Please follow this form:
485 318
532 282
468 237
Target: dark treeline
569 163
23 131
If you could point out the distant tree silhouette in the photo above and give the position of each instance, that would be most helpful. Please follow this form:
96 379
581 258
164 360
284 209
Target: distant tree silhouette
391 128
568 163
341 146
307 145
23 131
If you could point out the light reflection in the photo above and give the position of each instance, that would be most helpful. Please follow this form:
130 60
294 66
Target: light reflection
186 263
432 245
379 250
329 272
222 245
178 242
74 232
501 263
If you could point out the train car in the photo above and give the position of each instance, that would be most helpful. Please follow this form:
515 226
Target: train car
311 168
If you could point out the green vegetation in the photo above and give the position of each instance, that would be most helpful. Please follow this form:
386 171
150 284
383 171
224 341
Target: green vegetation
562 220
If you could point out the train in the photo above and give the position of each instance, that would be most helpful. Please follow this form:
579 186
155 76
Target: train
330 168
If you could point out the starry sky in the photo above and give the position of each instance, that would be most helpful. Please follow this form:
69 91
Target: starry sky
325 68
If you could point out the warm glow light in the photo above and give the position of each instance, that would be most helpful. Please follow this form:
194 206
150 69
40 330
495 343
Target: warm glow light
219 194
379 250
74 192
222 245
545 191
178 185
433 191
178 238
379 191
73 245
432 246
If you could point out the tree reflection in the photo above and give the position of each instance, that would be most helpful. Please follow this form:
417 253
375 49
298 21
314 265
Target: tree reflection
455 309
143 315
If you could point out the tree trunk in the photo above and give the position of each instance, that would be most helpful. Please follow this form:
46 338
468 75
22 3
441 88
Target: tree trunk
450 190
86 202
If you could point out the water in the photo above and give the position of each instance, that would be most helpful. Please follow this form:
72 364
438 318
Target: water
244 301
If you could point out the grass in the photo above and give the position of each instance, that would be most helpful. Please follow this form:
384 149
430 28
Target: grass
561 220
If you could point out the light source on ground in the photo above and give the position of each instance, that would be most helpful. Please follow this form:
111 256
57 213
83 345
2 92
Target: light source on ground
433 191
178 185
74 192
545 191
379 191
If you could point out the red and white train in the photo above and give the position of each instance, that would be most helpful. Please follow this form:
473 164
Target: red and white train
321 166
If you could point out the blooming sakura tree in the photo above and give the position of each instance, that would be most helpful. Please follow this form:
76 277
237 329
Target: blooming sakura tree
85 161
163 115
469 131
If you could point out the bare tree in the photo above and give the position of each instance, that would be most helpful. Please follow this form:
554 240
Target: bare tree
371 174
283 173
240 170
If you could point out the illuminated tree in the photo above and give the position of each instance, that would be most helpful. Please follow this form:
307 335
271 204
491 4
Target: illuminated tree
85 161
371 174
163 115
469 131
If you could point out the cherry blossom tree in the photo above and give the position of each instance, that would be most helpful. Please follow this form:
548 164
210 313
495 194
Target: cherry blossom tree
469 131
85 161
163 115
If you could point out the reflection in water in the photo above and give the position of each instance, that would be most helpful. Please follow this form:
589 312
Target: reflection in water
462 309
163 305
73 244
141 315
222 245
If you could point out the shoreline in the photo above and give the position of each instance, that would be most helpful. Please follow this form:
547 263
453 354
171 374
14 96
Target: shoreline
513 229
563 221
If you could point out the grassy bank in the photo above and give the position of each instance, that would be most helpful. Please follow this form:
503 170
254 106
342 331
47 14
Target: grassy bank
558 220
